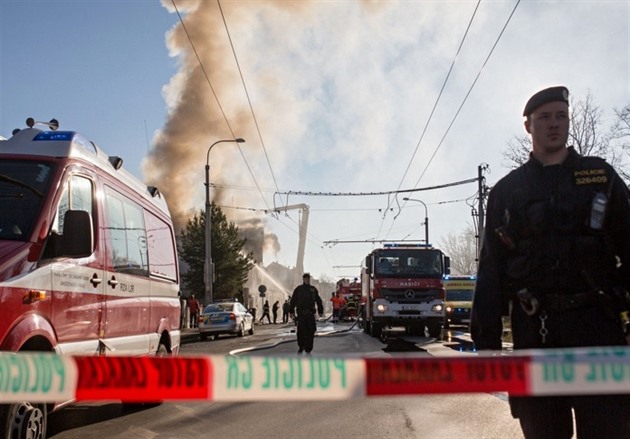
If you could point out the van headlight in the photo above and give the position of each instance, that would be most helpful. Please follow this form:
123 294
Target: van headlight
437 308
381 307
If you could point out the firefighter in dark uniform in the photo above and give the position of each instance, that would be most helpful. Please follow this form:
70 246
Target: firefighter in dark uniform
556 258
303 301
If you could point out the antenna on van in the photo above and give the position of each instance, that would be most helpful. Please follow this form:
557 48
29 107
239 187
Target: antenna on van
53 124
115 161
154 191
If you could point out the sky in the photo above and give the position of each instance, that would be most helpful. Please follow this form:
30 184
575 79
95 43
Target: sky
332 98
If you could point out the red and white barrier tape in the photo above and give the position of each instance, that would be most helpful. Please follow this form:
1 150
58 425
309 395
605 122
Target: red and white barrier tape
48 377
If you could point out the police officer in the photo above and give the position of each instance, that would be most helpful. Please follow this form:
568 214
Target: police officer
556 254
303 302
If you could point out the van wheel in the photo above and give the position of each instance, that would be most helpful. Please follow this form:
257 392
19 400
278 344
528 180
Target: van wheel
216 336
162 351
203 336
23 420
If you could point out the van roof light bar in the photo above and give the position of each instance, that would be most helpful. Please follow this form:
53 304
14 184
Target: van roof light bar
53 124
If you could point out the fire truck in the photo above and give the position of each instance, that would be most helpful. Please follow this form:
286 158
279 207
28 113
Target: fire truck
351 292
402 286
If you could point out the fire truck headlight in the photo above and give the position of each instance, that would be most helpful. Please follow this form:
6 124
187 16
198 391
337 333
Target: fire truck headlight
437 308
381 308
449 309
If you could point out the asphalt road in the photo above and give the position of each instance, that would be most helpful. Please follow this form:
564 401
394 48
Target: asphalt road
436 416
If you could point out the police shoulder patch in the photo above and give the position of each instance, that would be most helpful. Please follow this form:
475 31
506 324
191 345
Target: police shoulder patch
594 171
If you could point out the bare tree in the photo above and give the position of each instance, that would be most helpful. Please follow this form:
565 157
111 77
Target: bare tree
620 137
461 247
587 136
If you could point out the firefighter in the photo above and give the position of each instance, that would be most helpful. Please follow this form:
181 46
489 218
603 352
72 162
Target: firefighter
556 246
338 303
303 301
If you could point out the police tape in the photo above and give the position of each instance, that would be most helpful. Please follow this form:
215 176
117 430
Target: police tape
47 377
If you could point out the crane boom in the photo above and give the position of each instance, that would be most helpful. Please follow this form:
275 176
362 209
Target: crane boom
303 224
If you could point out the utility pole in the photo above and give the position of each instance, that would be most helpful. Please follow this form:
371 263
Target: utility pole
482 196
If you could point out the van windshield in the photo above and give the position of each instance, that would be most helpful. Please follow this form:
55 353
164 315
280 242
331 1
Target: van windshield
459 295
24 185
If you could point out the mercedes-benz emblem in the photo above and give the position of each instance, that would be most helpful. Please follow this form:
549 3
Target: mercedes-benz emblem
410 294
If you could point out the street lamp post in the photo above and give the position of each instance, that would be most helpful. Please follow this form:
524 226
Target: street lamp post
426 219
208 266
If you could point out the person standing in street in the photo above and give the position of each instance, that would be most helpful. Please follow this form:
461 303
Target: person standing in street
285 312
274 311
303 302
556 255
338 302
193 308
265 312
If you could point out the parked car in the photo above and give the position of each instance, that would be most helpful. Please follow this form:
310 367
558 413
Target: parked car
225 318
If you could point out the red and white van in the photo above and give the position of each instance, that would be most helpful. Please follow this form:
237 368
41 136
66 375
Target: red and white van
88 259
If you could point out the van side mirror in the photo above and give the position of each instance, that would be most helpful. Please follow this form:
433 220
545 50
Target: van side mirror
77 238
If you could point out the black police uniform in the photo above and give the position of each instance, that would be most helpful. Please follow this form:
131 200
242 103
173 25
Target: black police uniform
550 247
304 299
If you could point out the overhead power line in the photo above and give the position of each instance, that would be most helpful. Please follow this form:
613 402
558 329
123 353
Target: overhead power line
468 93
249 101
439 145
362 194
450 70
207 77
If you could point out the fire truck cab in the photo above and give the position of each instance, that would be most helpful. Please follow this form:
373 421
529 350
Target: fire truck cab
402 286
351 292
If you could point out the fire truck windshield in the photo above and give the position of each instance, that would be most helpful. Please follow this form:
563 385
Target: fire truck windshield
409 263
23 185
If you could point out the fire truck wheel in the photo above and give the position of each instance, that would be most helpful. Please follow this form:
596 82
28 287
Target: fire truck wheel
435 329
376 330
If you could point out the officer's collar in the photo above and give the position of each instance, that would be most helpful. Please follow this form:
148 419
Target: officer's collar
569 160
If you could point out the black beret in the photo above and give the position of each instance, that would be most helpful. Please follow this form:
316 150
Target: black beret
550 94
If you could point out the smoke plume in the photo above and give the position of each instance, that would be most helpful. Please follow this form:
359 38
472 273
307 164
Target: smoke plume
176 163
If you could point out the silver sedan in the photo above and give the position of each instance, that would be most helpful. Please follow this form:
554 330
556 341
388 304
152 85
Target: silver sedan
225 318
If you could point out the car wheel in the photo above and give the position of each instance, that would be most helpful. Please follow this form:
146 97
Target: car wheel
251 329
216 336
241 330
